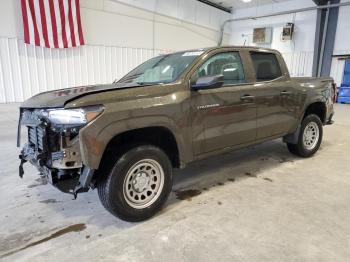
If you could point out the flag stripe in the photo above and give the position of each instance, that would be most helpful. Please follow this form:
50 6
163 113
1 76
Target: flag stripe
36 33
38 22
58 23
80 30
48 23
63 24
30 25
71 24
43 23
75 23
52 23
25 22
66 22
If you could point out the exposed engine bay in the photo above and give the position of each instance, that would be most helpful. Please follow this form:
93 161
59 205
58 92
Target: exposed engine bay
53 147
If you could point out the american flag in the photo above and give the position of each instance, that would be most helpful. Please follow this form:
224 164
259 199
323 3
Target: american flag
52 23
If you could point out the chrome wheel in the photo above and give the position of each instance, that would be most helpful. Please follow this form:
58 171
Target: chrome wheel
143 183
311 136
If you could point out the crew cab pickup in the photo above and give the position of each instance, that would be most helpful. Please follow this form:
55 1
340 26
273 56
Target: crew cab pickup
126 137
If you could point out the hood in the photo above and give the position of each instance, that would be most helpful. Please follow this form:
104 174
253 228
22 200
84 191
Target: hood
59 98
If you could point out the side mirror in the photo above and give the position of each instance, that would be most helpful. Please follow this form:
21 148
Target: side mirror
208 82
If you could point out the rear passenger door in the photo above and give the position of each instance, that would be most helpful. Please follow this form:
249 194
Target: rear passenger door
273 94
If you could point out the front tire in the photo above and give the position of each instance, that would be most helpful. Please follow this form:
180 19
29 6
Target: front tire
310 137
138 185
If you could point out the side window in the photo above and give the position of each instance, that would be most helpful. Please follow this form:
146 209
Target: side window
266 66
227 64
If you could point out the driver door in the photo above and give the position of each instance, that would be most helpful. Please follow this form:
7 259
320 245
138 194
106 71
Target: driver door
226 116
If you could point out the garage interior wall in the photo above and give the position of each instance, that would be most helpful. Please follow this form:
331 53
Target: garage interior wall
119 35
342 44
298 53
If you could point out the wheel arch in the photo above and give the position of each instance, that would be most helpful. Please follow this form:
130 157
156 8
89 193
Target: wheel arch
318 108
163 134
159 136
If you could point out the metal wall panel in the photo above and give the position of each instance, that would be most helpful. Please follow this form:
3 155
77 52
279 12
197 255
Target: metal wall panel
26 70
299 63
337 70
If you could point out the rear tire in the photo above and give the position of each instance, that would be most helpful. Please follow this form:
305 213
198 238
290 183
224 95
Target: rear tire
310 137
138 185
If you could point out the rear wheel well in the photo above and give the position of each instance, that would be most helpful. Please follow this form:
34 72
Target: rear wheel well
157 136
318 108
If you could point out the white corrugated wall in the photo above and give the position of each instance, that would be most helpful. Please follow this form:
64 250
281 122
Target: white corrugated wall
337 69
299 63
26 70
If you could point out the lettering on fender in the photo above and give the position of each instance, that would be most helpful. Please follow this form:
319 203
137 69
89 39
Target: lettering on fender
208 106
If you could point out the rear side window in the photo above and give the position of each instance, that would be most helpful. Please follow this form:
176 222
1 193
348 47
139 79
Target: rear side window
266 66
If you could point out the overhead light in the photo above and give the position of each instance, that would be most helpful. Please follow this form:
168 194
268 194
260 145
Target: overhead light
246 1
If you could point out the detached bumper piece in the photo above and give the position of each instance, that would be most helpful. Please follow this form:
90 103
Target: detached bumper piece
20 168
71 181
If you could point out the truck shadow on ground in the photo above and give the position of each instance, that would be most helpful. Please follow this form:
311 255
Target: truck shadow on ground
198 178
252 162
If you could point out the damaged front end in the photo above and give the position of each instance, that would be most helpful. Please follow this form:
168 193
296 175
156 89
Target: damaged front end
53 145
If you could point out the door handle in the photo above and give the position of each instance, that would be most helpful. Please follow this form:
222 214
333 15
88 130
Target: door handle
247 98
286 93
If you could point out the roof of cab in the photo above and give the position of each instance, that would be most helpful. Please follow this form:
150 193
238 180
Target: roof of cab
208 49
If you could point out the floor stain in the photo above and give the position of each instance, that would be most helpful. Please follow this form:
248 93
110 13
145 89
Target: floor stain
40 182
87 236
66 230
268 179
231 179
219 203
33 185
220 184
284 160
250 174
187 194
48 201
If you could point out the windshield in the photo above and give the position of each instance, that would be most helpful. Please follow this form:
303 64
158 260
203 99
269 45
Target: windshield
161 69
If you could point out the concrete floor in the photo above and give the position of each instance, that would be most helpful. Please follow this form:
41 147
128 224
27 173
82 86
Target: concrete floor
258 204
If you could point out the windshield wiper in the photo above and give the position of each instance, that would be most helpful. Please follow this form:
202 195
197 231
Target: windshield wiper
149 83
126 78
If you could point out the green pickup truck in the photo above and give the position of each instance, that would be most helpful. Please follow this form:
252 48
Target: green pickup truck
126 137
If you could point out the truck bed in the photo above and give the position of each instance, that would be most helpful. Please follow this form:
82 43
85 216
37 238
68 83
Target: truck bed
313 81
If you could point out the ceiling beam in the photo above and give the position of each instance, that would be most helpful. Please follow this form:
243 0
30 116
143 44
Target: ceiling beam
215 5
347 3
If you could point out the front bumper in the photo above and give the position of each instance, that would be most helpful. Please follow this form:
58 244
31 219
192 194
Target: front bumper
55 152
